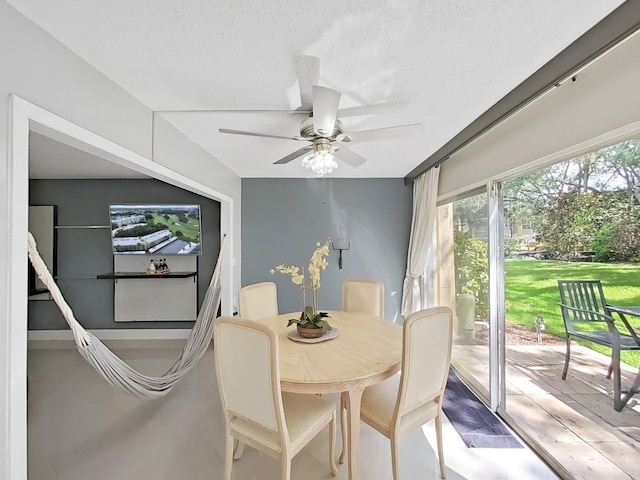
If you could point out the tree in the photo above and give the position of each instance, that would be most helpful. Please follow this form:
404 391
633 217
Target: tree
572 204
623 161
470 215
602 222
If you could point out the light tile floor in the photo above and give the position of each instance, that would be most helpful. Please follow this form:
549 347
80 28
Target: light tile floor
79 427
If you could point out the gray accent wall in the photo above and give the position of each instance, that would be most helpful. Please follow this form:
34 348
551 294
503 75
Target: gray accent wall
282 219
84 253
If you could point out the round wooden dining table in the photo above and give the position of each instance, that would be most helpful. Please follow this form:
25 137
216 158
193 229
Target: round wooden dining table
366 351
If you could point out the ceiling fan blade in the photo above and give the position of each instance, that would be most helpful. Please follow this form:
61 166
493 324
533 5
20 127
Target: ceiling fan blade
294 155
308 73
371 109
254 134
349 157
325 110
388 133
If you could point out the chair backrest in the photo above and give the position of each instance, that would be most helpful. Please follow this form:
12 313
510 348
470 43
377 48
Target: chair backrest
246 355
426 356
259 300
363 296
585 295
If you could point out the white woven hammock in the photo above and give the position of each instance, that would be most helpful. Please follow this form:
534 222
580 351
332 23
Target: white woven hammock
114 369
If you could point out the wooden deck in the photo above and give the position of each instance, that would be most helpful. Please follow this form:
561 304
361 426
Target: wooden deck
572 423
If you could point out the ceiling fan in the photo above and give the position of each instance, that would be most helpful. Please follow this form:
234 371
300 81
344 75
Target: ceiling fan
325 136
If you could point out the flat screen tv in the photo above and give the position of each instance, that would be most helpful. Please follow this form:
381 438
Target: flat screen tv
170 229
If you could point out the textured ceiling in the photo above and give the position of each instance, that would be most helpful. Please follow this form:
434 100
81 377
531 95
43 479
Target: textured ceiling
440 63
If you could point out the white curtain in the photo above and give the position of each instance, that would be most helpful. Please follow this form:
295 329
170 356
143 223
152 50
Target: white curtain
419 291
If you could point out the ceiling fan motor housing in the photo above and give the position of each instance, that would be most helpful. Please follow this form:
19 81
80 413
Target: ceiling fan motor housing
307 131
323 146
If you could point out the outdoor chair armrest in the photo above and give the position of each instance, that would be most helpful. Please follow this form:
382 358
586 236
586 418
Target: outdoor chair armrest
605 317
625 321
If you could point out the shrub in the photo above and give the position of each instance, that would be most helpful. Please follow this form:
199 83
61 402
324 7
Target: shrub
511 246
472 270
605 222
603 243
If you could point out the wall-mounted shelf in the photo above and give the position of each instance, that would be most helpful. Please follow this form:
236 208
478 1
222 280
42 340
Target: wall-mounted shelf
39 294
81 227
139 297
118 275
38 291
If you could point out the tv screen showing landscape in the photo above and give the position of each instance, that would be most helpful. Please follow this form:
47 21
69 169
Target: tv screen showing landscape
155 229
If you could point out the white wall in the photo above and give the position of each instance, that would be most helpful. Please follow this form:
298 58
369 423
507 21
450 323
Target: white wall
604 98
38 69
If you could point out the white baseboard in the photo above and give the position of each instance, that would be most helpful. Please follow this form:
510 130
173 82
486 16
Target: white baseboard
118 334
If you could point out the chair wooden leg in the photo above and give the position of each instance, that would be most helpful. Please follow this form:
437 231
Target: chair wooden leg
566 358
332 446
443 469
395 460
237 454
228 455
285 466
343 428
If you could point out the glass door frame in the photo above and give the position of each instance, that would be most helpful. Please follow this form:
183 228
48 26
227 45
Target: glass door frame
495 395
497 322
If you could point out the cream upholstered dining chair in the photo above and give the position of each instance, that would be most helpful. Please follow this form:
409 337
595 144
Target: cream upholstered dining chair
259 300
407 401
361 295
256 411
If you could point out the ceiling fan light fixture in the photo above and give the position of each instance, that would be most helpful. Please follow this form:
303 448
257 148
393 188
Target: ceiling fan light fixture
306 160
319 163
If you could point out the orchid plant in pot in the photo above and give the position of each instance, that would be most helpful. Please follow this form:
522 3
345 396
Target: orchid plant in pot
312 323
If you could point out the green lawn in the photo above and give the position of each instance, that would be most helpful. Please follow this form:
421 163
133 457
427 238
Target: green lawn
190 230
531 289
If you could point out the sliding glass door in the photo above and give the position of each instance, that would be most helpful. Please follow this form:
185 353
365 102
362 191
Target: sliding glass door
463 227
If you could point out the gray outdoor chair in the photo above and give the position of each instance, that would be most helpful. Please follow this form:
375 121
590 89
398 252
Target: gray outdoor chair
586 316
